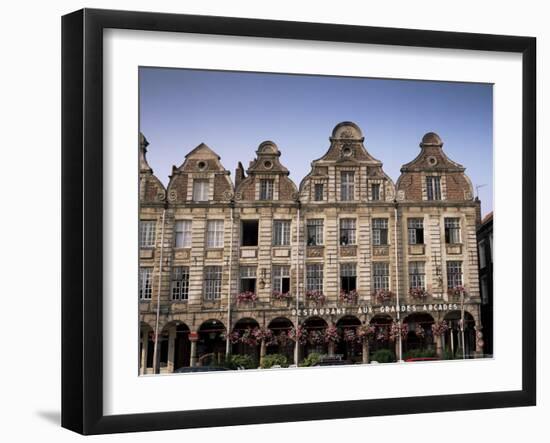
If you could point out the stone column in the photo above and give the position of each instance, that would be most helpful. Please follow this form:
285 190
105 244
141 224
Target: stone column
262 351
438 346
193 338
365 351
331 349
171 350
143 356
296 353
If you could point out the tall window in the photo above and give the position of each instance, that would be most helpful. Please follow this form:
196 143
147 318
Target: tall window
266 189
416 275
281 232
375 191
348 277
183 234
452 230
381 274
314 231
248 279
454 274
145 283
281 279
433 187
347 185
147 230
416 231
482 254
379 231
347 231
180 283
249 233
319 192
214 234
200 190
212 282
314 277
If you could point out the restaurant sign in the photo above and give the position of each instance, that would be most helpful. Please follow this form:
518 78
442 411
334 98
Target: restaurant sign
370 309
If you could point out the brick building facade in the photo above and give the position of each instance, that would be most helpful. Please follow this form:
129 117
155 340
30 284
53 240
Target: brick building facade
234 267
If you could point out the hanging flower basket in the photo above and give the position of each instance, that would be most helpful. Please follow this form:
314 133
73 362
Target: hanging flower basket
278 295
282 339
440 327
383 334
234 337
418 293
419 331
247 297
397 329
249 337
298 334
383 295
350 335
316 337
457 291
315 296
365 333
348 296
332 334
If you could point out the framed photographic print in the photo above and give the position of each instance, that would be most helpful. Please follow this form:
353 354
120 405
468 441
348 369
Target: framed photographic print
269 221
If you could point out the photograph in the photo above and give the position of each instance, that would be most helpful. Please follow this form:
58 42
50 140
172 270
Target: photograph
295 221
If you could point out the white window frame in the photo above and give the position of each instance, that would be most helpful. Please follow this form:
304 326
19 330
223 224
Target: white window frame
381 275
179 287
266 188
378 226
145 283
454 274
347 185
183 233
412 225
417 275
201 189
214 233
212 282
453 224
314 277
433 187
280 272
281 232
316 226
147 233
348 226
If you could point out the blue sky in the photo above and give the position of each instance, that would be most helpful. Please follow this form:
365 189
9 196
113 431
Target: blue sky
233 112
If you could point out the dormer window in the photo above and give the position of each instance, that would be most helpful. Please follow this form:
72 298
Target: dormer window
266 189
375 191
433 187
200 190
319 192
347 185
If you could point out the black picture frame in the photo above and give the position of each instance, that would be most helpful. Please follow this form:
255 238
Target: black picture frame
82 190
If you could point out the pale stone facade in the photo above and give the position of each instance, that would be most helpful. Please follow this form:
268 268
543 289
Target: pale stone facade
345 231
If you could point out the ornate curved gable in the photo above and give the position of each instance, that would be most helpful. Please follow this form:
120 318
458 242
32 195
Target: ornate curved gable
151 190
267 178
347 171
202 164
430 170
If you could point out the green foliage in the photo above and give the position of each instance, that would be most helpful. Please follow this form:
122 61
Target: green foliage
383 356
274 359
419 353
237 361
311 360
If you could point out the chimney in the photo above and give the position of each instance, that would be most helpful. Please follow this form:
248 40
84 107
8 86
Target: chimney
239 175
